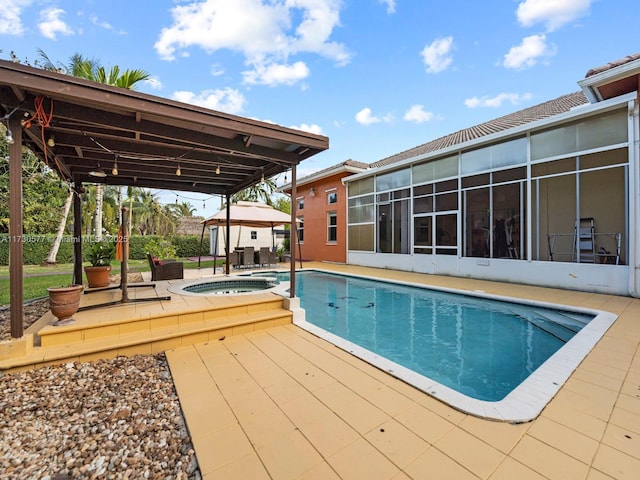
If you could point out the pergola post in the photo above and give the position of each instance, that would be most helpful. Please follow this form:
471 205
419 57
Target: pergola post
16 294
293 235
77 237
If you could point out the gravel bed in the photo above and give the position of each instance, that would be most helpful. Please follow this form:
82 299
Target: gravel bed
111 419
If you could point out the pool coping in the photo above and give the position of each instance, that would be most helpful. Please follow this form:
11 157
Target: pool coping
525 402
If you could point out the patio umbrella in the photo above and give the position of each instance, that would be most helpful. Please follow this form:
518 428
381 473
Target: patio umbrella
250 214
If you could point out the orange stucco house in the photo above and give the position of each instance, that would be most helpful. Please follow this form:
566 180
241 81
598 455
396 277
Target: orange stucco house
321 207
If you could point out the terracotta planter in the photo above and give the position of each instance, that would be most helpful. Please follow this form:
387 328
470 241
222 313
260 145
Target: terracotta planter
64 302
97 276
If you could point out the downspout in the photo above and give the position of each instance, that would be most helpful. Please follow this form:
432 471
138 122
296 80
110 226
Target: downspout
634 174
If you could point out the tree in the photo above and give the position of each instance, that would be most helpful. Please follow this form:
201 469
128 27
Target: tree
183 209
43 192
262 191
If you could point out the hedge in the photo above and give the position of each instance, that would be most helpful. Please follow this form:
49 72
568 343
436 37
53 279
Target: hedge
36 247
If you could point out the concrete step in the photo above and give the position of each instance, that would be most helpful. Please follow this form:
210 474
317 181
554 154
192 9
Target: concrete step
145 335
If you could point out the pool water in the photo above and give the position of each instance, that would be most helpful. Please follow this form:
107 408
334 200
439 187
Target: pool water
480 347
227 287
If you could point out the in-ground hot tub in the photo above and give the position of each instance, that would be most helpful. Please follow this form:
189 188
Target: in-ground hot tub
226 286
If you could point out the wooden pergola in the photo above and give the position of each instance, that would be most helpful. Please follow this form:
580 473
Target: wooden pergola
94 133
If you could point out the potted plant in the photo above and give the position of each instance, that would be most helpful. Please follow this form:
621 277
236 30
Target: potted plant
64 302
99 256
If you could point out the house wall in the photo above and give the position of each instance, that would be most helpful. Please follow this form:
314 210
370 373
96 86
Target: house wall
316 246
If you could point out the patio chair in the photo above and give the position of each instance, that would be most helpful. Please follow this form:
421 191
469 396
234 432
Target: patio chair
267 257
165 269
247 257
234 259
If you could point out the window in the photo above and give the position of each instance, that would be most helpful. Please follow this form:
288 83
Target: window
254 235
332 227
300 203
300 229
332 197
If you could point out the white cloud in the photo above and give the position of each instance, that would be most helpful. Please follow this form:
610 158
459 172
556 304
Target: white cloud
437 55
10 10
51 24
154 83
275 74
418 114
366 117
552 13
266 32
528 53
391 5
217 70
498 100
224 100
313 128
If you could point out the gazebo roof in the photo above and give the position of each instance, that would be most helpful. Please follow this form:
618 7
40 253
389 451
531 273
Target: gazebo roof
79 126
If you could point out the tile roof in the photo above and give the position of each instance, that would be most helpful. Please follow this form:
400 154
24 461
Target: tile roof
614 64
537 112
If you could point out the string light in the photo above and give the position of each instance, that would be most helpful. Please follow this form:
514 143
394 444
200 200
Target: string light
115 166
51 142
262 177
217 169
178 171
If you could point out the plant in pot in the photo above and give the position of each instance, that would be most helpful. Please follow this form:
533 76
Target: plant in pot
64 302
99 256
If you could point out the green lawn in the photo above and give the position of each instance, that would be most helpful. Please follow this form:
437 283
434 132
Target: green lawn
37 278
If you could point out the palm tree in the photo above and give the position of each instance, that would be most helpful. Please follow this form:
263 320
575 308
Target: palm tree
90 69
183 209
260 191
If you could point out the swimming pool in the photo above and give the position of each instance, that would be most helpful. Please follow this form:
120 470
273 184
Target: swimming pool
485 355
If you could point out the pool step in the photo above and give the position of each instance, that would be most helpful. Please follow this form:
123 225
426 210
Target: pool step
150 334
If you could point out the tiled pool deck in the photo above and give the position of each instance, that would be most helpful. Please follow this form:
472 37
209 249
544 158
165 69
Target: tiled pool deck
281 403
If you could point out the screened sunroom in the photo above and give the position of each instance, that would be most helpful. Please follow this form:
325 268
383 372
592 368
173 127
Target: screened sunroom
545 203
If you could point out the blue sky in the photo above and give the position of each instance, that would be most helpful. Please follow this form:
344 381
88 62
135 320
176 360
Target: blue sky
375 76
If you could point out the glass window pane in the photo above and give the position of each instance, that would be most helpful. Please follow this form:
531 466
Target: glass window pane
423 190
554 142
447 186
435 169
446 230
475 161
603 159
509 175
423 204
476 180
422 231
447 201
477 222
555 167
513 152
603 130
359 187
361 237
393 180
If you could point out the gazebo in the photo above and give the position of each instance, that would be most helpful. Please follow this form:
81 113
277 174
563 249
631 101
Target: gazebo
94 133
250 214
